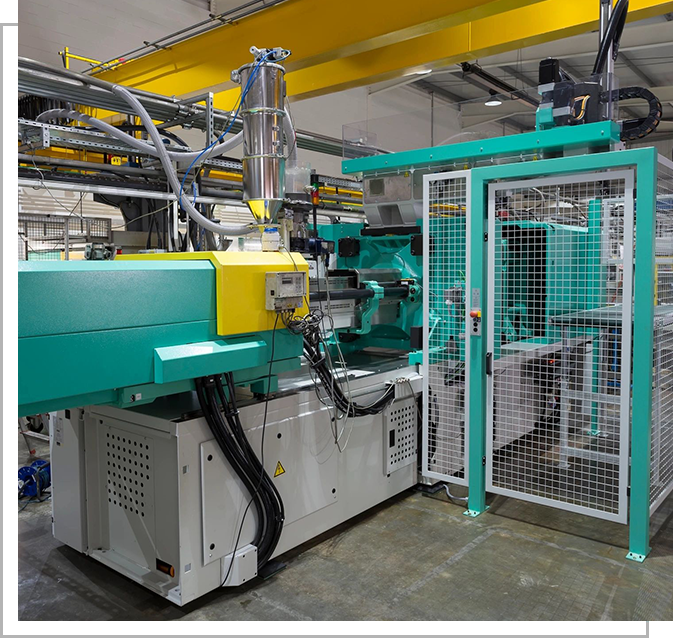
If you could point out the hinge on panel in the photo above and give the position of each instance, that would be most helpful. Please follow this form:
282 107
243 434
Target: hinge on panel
483 460
485 236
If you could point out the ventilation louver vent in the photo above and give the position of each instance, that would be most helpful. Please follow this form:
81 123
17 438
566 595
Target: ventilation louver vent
129 463
400 423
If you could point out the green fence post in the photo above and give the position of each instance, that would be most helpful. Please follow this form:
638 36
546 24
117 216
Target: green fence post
477 378
643 344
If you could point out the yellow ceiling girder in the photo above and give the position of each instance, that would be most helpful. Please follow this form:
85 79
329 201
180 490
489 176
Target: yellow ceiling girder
519 28
315 32
332 51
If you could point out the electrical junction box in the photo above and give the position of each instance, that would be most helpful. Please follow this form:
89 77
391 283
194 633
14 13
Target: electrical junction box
285 290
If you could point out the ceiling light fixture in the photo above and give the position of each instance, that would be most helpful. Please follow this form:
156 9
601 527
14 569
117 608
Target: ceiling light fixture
493 99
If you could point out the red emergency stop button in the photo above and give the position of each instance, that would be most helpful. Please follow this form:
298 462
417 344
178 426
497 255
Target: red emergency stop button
475 314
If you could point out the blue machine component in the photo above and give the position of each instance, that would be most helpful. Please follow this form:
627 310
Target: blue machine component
34 478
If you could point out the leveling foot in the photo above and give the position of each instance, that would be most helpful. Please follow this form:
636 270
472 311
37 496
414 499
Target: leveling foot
638 558
474 513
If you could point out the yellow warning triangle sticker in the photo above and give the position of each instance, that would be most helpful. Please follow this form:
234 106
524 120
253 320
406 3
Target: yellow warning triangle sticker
279 470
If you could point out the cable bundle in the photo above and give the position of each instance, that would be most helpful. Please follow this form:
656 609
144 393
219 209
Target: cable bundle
641 127
221 413
309 327
227 429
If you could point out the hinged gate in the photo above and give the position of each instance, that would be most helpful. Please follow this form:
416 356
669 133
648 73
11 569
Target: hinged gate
560 255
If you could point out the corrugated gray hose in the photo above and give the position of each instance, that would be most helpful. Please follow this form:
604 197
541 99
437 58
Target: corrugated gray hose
165 156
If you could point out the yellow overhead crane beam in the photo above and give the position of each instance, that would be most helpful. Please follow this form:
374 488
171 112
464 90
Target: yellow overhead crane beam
341 44
315 32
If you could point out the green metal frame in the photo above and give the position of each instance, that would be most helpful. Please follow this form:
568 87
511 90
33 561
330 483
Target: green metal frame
589 137
595 135
644 160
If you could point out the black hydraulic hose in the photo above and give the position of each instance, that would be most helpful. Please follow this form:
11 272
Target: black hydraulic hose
612 36
165 132
226 450
309 328
238 430
230 411
268 492
259 495
318 364
136 127
223 438
276 500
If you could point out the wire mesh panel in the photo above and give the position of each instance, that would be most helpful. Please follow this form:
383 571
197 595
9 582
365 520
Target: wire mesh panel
560 318
661 469
661 472
446 226
51 237
41 237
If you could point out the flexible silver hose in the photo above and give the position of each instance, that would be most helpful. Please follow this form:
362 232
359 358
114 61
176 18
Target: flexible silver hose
201 220
160 151
462 499
134 142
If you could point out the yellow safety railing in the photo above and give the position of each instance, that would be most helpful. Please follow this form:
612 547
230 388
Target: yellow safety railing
66 56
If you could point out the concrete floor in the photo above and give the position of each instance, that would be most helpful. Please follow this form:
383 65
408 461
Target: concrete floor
412 558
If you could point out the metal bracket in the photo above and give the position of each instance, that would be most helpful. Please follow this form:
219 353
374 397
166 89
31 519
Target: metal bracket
369 307
210 120
36 140
154 45
474 513
220 17
638 558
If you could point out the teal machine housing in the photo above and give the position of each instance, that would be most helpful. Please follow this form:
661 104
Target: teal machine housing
98 339
550 258
397 253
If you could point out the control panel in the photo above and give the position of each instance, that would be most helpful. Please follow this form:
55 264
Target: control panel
285 290
474 324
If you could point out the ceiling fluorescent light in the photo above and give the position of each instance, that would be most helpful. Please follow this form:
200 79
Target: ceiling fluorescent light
493 99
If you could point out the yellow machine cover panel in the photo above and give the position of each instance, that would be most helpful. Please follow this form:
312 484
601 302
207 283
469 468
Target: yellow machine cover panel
241 285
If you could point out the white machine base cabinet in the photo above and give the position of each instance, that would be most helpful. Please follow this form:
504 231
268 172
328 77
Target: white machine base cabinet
148 492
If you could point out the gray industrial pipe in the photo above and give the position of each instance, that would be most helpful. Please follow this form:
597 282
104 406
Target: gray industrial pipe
140 145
